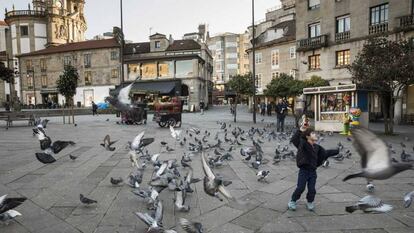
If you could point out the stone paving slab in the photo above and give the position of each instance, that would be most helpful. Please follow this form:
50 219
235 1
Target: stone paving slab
53 190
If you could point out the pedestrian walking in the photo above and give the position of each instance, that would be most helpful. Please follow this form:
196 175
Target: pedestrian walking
262 108
202 107
269 109
94 109
281 112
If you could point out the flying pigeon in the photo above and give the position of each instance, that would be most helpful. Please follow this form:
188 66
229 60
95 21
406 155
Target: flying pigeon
369 204
212 184
375 158
179 201
107 143
86 200
408 197
154 221
7 206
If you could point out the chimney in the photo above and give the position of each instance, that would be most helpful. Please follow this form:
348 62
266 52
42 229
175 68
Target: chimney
170 39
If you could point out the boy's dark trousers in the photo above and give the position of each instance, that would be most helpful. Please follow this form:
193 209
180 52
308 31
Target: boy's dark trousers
306 176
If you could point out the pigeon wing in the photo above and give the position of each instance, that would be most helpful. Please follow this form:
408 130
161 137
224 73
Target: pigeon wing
11 203
13 213
107 139
373 151
45 158
206 168
186 225
146 218
137 140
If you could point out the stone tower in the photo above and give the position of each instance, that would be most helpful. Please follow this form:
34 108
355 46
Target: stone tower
66 21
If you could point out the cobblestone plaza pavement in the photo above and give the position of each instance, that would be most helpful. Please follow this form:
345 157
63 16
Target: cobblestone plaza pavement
53 190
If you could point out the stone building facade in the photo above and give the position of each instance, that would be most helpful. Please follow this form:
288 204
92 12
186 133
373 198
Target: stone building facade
45 23
170 67
97 63
330 34
275 47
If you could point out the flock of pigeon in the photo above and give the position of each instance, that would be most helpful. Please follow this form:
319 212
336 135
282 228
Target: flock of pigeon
377 163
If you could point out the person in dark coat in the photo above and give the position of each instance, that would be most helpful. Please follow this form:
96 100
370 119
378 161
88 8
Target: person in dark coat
262 108
94 109
269 109
309 157
281 112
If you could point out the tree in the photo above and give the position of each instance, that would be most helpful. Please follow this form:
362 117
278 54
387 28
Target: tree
284 86
67 84
241 85
387 67
7 75
314 81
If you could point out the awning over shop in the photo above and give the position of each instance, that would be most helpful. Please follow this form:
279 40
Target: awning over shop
48 91
159 87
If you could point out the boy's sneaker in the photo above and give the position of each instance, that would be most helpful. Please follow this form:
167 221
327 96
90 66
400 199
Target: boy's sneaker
310 206
292 205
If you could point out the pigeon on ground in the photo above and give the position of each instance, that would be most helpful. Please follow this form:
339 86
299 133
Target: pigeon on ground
7 206
212 184
107 143
116 181
169 149
262 175
370 187
190 227
86 200
72 157
375 158
406 157
163 143
369 204
408 197
188 180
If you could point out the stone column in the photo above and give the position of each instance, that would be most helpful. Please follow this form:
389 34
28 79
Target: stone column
398 108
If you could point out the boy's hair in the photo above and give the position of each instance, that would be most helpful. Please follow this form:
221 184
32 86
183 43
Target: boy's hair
308 131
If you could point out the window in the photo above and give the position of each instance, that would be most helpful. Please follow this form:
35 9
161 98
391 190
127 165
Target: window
29 81
157 44
379 14
314 30
114 55
88 78
67 60
29 65
114 73
275 59
246 56
44 81
314 62
258 58
42 65
258 81
184 68
343 24
275 75
24 30
87 60
166 69
343 58
149 70
314 4
292 52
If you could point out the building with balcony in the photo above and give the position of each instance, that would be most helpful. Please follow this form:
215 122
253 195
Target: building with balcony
330 35
275 47
167 67
97 63
45 23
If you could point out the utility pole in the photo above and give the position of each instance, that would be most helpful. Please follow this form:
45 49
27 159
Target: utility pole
254 64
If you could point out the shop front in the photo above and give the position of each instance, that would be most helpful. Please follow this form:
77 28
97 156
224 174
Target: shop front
334 105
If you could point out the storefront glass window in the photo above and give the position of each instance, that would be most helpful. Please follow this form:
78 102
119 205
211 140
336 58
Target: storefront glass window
333 102
184 68
149 70
166 69
133 71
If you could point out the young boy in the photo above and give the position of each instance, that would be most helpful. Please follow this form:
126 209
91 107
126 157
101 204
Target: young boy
309 156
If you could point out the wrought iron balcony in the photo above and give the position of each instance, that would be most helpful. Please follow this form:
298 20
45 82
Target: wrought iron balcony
342 36
407 21
378 28
312 43
17 13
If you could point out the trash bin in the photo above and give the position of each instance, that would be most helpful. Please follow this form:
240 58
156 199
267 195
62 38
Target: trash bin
78 104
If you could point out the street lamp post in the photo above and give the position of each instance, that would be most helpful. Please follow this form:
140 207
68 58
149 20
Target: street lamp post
254 64
122 45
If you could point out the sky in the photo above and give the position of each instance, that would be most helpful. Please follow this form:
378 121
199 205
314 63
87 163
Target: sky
175 17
